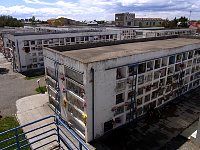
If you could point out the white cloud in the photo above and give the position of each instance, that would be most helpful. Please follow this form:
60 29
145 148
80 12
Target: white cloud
103 9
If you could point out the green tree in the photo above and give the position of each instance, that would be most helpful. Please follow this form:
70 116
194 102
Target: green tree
33 20
10 21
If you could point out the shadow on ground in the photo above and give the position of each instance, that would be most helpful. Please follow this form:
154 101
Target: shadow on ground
160 134
35 72
4 70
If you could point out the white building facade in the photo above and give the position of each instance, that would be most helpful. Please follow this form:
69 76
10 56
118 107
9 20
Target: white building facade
27 48
164 32
103 88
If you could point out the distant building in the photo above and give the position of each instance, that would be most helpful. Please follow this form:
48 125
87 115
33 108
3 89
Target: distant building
26 48
133 33
129 20
63 21
140 33
195 25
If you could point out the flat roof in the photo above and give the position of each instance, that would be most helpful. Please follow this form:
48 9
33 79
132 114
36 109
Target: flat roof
89 55
56 32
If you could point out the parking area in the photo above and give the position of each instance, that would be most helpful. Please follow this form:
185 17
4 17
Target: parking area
13 86
163 134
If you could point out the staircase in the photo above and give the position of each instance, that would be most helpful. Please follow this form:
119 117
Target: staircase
54 134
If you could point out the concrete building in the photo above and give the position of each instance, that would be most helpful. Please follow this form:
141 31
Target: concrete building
125 20
63 21
133 33
101 88
129 20
146 33
26 48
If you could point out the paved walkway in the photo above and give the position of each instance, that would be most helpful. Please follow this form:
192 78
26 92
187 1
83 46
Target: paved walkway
32 108
13 86
35 107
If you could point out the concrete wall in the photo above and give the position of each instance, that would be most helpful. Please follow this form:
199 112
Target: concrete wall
105 86
25 59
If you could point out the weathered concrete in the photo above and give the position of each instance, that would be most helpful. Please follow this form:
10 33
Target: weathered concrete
162 134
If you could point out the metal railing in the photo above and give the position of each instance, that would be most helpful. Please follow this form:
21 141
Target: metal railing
57 133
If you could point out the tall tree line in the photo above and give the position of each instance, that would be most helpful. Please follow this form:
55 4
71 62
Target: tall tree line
9 21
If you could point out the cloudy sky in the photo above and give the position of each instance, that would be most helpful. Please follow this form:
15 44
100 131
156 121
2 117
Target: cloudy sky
99 9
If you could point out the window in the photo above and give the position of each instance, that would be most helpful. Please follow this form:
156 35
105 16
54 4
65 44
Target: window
141 68
45 42
178 57
26 43
39 42
119 98
139 101
155 85
33 54
164 61
160 100
72 39
130 94
149 65
190 55
119 110
185 56
171 60
153 104
32 42
27 49
34 59
140 91
141 79
148 77
40 53
171 70
156 74
86 38
147 98
35 66
154 95
132 70
41 59
157 63
163 72
120 73
139 111
148 88
75 88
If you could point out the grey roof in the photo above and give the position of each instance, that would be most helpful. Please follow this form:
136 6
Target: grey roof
89 55
56 32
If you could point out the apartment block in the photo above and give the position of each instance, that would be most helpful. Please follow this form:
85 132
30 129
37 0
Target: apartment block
134 33
27 47
148 32
97 89
129 20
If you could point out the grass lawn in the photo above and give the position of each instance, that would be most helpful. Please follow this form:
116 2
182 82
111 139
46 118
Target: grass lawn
6 124
41 89
33 77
